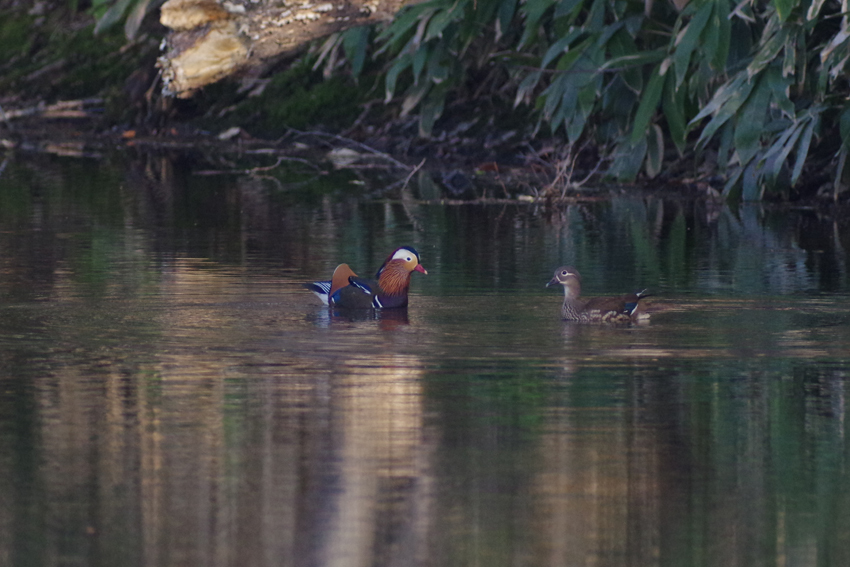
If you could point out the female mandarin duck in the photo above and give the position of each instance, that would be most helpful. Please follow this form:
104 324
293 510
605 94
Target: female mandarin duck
388 289
617 309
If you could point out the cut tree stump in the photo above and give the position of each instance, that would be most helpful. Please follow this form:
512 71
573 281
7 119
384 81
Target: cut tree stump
210 41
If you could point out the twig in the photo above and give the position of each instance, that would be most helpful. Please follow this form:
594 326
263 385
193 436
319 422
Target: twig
360 145
5 118
366 108
402 183
256 170
275 180
411 174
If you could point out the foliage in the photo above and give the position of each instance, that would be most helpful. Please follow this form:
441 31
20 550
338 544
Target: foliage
111 12
295 98
758 85
56 56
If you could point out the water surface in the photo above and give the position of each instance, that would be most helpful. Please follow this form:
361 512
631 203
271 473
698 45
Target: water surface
171 395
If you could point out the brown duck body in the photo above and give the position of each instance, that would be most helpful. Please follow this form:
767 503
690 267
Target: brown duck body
625 308
387 290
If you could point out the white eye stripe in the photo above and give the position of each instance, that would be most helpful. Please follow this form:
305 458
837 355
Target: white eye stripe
403 255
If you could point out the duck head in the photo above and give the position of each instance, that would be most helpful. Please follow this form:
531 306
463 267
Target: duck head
568 277
394 275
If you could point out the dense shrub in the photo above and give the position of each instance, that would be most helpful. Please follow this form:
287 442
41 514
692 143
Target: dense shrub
758 87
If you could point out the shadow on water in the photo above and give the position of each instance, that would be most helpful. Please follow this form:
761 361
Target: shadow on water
171 395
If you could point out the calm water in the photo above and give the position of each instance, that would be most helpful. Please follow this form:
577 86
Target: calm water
170 395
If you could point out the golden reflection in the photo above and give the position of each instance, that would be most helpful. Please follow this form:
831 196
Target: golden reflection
381 458
592 504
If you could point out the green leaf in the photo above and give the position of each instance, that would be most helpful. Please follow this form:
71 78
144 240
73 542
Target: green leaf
740 44
749 125
596 18
719 54
673 104
751 188
648 105
784 8
585 103
355 42
401 63
507 9
431 110
725 103
834 57
568 59
732 189
438 23
721 97
814 10
635 60
112 16
781 149
414 95
571 96
526 87
844 126
789 61
134 19
404 22
608 32
420 57
620 46
725 145
779 88
559 47
688 40
328 47
627 160
533 11
767 52
803 146
555 95
421 27
654 151
438 70
567 8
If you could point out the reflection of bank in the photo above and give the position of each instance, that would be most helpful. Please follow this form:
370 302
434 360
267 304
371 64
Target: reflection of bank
319 462
378 485
596 497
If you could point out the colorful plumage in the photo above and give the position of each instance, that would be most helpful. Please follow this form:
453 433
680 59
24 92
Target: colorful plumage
386 291
617 309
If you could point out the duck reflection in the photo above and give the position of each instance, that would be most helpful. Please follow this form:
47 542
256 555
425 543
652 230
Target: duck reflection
387 319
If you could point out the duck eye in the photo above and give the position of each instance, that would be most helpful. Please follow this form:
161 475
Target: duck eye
564 273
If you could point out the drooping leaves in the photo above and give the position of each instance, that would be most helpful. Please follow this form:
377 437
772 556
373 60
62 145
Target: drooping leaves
636 82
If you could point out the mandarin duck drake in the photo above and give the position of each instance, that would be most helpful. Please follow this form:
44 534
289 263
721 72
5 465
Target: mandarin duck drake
616 309
388 290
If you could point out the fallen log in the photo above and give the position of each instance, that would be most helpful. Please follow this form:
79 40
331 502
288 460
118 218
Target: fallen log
81 108
210 41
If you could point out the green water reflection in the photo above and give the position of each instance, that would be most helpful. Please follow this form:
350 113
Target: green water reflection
170 395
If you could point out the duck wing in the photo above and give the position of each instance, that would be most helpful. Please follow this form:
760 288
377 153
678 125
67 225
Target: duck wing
358 294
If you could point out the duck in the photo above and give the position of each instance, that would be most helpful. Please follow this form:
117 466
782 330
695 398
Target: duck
388 290
620 309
